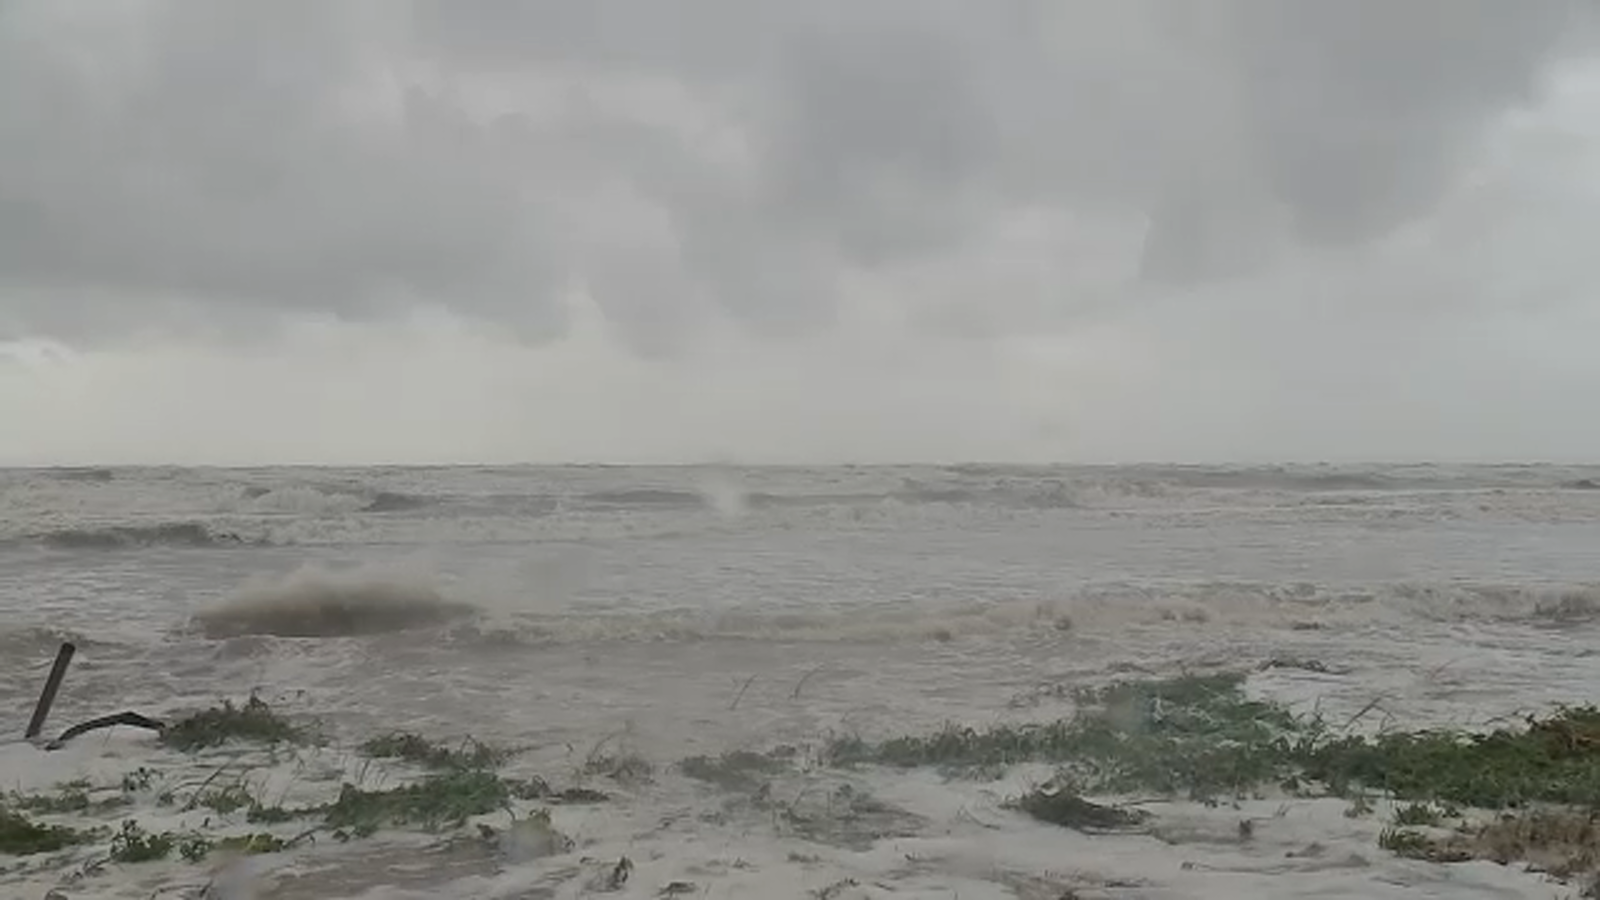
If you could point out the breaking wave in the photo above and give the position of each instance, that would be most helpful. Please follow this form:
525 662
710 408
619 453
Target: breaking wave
394 501
1293 607
89 475
1049 488
124 537
1051 494
307 499
38 644
1300 478
317 603
635 498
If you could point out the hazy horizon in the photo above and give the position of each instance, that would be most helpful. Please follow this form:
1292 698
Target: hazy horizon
1359 466
760 233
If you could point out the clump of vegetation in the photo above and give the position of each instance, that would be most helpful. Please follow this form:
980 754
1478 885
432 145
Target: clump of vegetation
259 814
574 795
413 748
736 770
447 799
1413 814
1197 735
625 768
69 797
1564 843
438 801
1410 843
260 842
133 844
461 783
254 722
843 816
1058 804
226 799
1554 759
1201 736
137 780
21 836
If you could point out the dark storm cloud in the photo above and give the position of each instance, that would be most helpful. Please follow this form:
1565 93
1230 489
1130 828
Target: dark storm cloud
217 158
217 167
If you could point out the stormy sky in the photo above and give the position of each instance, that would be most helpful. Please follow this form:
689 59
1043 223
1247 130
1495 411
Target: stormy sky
833 230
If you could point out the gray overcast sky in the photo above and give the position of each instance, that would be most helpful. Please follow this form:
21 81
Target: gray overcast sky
380 230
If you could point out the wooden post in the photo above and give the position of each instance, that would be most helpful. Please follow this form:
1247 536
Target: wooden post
47 698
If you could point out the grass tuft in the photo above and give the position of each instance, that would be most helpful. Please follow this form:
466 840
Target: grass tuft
1200 736
625 768
21 836
254 722
736 770
133 844
445 800
1058 804
413 748
461 782
69 797
1197 735
1422 814
1555 759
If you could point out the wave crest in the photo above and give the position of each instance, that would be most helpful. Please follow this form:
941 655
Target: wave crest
1100 609
123 537
38 643
326 500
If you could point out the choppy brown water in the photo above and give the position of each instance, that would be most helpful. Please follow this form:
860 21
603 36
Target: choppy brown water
686 611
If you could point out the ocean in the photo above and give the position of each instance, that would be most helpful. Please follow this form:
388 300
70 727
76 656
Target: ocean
591 616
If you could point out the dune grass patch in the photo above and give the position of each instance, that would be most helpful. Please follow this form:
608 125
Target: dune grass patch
255 721
469 753
735 770
1202 737
21 835
459 780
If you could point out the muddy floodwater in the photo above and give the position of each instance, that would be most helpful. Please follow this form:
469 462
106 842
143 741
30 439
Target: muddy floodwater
667 655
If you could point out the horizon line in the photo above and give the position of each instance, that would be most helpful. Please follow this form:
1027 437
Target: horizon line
831 464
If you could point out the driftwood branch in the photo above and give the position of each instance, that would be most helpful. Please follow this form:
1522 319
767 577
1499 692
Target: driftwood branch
111 721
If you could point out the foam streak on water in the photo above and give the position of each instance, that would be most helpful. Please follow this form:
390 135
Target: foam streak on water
691 611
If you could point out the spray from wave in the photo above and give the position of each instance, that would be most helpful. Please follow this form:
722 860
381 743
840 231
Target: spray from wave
318 603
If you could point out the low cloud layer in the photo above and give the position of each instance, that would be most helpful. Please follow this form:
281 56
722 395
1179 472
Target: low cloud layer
208 164
1040 229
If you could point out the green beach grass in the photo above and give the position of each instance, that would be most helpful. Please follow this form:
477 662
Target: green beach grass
1528 794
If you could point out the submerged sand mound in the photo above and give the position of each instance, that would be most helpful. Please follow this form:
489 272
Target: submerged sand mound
323 604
